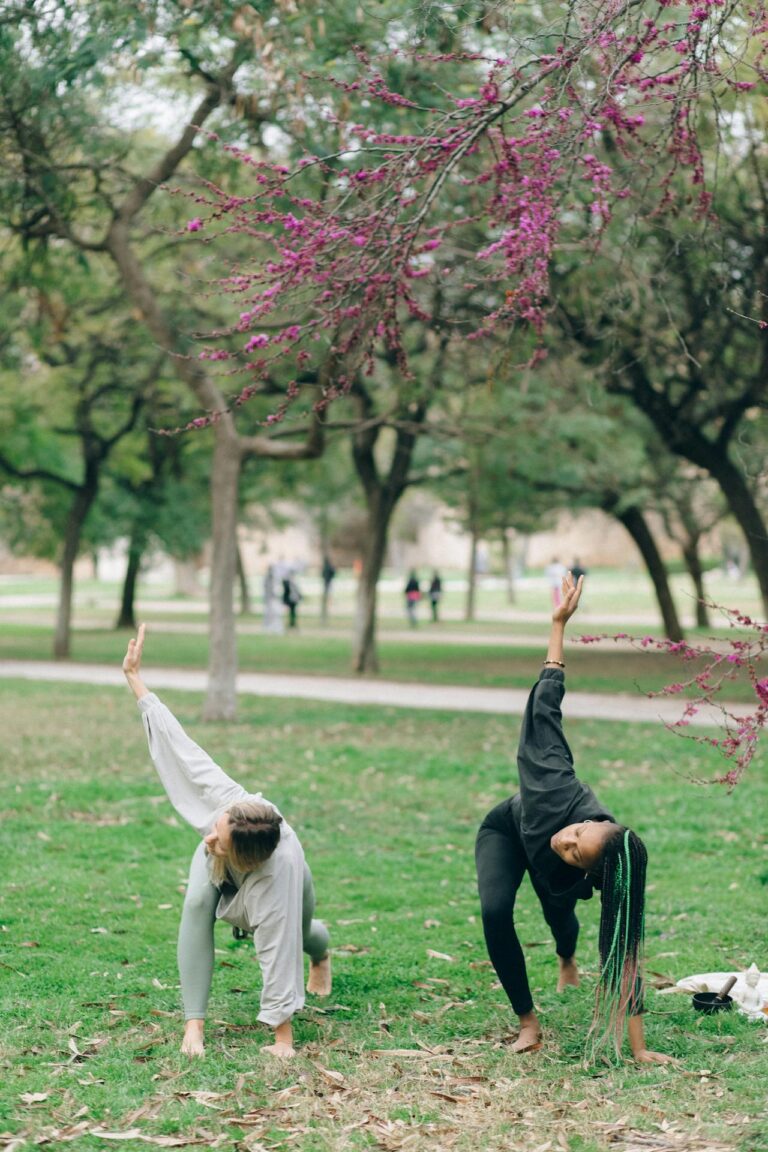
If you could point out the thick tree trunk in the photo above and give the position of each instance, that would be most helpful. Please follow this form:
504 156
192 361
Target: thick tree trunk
696 573
229 450
242 579
635 523
745 511
221 699
469 603
81 506
127 615
365 657
686 439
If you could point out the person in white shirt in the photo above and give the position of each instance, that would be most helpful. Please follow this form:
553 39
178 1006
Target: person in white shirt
249 870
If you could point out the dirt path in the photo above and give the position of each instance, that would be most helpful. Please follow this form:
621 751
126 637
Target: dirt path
342 690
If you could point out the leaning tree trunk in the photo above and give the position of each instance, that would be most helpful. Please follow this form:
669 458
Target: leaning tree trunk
81 506
127 615
745 511
469 604
696 572
220 700
634 522
365 657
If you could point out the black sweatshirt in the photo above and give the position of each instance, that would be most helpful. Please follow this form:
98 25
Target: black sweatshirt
551 797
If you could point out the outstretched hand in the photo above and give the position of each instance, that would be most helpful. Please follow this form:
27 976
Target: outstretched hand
570 600
132 660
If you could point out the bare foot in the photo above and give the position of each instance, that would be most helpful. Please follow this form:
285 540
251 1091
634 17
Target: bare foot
569 974
281 1050
193 1044
529 1037
319 981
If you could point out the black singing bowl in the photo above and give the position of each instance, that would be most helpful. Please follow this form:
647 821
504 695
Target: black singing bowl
711 1002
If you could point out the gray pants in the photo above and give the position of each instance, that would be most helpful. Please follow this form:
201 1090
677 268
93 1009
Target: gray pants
195 946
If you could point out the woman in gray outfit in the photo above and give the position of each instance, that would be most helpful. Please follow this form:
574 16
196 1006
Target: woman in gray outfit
249 870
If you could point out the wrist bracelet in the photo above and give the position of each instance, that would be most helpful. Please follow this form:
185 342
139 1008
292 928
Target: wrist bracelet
559 663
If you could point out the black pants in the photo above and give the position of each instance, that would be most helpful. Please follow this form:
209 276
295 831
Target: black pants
501 865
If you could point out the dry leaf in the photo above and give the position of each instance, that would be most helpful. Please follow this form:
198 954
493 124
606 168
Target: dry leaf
33 1097
440 956
333 1077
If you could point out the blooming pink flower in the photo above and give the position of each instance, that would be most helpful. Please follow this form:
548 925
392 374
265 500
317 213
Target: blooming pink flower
259 341
194 225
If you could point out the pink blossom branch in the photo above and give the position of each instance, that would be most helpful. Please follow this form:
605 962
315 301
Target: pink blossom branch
719 664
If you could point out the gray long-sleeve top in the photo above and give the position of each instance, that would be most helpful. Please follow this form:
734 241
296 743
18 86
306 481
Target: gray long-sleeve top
551 796
268 900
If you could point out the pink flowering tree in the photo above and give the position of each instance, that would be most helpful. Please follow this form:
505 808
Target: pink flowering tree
450 181
708 671
471 179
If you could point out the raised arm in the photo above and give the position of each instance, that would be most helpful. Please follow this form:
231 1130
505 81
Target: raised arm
560 617
196 786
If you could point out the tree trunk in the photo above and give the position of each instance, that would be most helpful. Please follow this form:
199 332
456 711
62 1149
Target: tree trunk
747 515
509 562
127 616
221 699
696 573
242 579
81 506
324 547
365 657
634 522
469 604
686 439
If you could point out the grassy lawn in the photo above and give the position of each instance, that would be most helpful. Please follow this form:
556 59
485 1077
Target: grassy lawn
477 664
410 1052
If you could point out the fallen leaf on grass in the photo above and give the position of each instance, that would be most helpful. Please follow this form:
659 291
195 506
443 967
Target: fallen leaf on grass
33 1097
205 1098
10 1143
440 956
137 1134
333 1077
351 948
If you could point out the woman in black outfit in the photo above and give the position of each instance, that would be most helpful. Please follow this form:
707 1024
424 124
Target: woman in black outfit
556 830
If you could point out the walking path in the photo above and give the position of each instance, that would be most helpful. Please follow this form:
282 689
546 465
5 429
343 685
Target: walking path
394 694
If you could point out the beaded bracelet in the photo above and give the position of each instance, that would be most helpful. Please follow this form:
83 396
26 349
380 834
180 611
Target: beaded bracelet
559 663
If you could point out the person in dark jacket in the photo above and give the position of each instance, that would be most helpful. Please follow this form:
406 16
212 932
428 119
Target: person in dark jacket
557 830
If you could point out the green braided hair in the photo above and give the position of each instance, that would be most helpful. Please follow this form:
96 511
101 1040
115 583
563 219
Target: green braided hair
622 924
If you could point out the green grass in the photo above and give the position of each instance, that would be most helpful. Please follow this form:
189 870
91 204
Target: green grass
387 803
